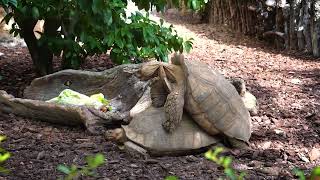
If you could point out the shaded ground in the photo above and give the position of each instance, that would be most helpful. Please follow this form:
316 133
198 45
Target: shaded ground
285 131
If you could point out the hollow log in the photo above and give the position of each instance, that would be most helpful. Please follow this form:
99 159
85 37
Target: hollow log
120 85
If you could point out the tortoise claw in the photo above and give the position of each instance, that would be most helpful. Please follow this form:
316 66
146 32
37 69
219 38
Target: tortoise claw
169 126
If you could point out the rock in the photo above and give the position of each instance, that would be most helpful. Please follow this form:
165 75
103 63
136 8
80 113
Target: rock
279 131
295 81
266 145
314 154
40 155
191 158
134 166
272 171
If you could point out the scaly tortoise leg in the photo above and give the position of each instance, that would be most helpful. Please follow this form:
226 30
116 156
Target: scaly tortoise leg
174 108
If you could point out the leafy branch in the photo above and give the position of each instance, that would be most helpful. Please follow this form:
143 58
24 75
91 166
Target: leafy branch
73 172
4 156
225 162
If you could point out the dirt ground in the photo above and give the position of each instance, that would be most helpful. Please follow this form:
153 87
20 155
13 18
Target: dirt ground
285 131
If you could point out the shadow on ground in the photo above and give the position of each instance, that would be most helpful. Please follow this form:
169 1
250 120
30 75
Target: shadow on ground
224 35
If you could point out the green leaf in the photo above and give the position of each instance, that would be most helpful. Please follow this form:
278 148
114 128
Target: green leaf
64 169
241 176
226 162
73 168
119 42
24 10
35 12
98 159
4 157
4 170
217 151
4 2
195 4
108 17
83 4
171 178
230 173
299 173
2 138
97 5
14 3
110 40
315 173
209 155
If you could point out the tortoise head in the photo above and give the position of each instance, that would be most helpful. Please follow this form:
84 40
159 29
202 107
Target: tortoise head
177 59
116 135
158 71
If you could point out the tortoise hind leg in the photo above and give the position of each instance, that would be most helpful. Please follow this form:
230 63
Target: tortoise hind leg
174 108
236 143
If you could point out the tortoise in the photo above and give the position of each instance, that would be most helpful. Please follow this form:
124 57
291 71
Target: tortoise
210 99
145 134
250 101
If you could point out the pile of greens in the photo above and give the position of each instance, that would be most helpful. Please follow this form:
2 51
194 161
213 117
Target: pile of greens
71 97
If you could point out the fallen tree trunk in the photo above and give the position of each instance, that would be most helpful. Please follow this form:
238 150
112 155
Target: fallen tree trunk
120 85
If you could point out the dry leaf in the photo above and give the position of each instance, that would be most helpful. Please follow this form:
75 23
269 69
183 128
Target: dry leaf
295 81
303 157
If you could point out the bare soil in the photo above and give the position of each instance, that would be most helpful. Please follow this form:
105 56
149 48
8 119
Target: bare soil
285 131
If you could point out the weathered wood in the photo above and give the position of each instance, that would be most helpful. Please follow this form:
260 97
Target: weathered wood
300 36
315 27
120 85
307 26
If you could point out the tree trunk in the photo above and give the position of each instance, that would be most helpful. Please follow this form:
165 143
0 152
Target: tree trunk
293 24
301 43
307 26
40 53
315 27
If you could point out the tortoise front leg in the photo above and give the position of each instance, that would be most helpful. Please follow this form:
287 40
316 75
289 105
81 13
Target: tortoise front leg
174 108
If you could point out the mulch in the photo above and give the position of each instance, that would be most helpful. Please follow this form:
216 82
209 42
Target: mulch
285 131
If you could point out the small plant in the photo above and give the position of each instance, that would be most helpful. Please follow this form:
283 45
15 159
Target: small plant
225 162
315 173
74 172
171 178
4 156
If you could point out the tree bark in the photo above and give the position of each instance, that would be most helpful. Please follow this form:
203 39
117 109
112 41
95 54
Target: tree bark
293 25
40 53
315 27
307 26
301 43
